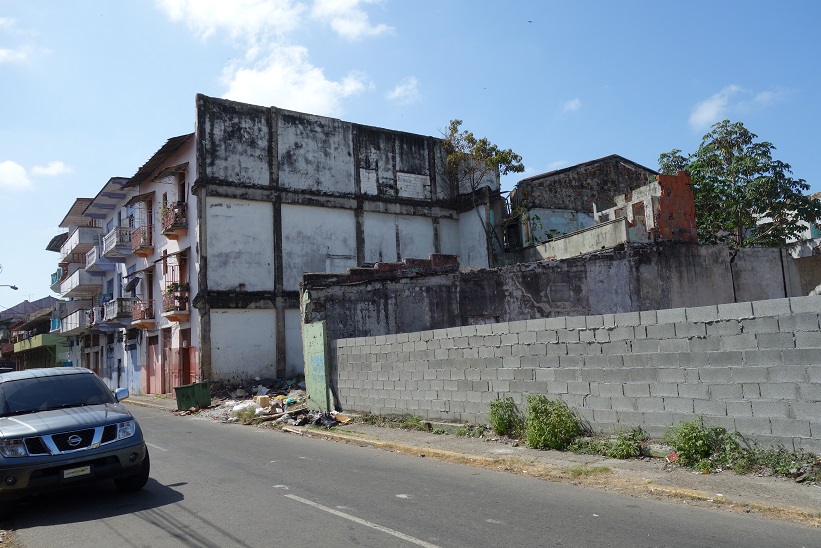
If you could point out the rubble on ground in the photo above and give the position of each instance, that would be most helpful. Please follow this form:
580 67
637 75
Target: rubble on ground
275 401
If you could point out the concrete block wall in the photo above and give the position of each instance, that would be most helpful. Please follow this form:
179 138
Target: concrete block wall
754 367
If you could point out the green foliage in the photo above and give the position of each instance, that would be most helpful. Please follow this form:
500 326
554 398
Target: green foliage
550 424
438 431
693 441
414 423
585 471
470 431
469 159
626 445
504 417
743 196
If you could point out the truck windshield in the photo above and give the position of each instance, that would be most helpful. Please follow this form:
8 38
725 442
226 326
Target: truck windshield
42 393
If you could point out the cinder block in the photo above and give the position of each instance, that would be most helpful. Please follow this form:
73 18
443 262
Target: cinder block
637 390
810 445
787 373
578 387
739 342
702 314
500 386
689 329
555 323
568 336
735 311
593 322
617 375
700 391
597 403
650 404
724 328
556 387
648 317
664 360
749 374
664 389
791 427
511 362
625 319
658 420
622 333
725 391
678 405
672 315
571 361
628 419
760 325
661 331
567 374
695 359
576 322
715 375
674 345
587 335
800 305
727 423
807 321
804 339
771 409
750 390
733 358
605 416
773 307
547 337
623 404
711 408
611 390
671 375
814 373
645 346
779 391
545 374
643 374
592 375
577 349
616 347
537 324
527 337
753 426
775 340
800 356
809 392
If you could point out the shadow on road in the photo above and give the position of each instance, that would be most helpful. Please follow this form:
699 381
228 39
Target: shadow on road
91 502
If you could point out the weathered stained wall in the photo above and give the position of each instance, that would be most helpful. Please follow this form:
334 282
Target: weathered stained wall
240 237
381 301
315 194
751 367
243 343
583 186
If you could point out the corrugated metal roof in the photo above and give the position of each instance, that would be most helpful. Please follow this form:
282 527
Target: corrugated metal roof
139 198
57 242
75 214
157 159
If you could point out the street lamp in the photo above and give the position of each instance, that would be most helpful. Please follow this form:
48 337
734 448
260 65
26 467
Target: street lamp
14 287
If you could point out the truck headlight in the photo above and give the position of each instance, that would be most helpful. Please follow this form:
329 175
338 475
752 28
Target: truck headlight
126 429
13 448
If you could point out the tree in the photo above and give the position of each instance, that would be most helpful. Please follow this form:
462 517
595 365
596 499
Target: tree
743 197
469 160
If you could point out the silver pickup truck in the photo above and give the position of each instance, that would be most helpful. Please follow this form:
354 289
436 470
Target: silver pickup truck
61 427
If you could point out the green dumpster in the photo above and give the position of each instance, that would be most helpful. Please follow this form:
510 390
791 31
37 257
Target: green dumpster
197 394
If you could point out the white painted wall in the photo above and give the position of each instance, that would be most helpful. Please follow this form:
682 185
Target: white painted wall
380 237
240 237
243 343
294 362
309 235
415 236
472 239
449 237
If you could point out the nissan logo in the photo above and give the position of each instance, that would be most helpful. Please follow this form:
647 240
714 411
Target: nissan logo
75 440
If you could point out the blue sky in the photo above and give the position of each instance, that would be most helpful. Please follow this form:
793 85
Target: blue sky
90 89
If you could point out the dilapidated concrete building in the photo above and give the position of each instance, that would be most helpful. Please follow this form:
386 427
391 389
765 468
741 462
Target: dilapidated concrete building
197 259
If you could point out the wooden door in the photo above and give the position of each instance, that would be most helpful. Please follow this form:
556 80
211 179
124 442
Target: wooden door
152 386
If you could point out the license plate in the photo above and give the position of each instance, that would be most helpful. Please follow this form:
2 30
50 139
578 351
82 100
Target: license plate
74 472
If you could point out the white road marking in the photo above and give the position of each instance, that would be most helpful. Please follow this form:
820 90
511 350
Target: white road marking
360 521
156 447
403 496
281 487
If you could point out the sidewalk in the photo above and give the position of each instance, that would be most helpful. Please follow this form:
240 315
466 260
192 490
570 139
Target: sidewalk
775 497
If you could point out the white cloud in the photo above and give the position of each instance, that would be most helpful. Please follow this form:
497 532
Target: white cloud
287 79
556 165
250 19
731 100
406 92
714 108
347 18
572 105
52 169
6 23
13 176
14 55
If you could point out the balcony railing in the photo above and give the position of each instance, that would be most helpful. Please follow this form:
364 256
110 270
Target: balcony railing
76 322
95 316
175 304
118 309
80 240
95 262
81 284
117 243
175 220
142 310
142 241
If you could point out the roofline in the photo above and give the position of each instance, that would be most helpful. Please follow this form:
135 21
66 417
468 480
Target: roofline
584 164
170 146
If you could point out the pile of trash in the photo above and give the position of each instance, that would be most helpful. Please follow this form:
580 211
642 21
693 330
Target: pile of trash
282 402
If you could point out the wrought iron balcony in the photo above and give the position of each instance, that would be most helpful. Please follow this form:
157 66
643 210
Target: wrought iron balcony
118 311
175 303
175 220
142 315
142 243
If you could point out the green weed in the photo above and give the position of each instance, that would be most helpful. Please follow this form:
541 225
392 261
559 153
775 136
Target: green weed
504 418
585 471
550 424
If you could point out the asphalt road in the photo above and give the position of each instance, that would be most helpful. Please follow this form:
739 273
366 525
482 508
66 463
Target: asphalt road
219 485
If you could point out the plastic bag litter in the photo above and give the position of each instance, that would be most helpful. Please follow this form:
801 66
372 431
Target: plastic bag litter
261 390
239 408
